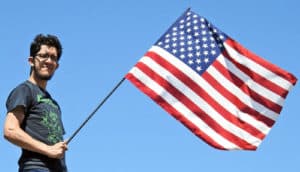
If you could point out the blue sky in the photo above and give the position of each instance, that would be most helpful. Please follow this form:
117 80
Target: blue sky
102 40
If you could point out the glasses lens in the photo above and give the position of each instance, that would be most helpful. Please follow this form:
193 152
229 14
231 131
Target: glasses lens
45 57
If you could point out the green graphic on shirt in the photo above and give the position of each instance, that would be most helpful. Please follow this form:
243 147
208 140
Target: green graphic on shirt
45 100
51 121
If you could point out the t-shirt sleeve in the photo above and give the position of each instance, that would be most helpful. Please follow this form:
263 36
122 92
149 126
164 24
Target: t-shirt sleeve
20 96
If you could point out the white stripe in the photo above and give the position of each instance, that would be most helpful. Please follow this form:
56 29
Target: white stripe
263 91
278 80
202 104
182 109
239 93
211 91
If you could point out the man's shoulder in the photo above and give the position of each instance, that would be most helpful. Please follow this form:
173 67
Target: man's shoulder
25 88
22 85
25 85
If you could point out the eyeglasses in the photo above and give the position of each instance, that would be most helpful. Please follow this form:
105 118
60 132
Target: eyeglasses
44 57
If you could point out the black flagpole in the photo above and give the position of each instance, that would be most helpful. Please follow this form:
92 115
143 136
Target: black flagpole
96 109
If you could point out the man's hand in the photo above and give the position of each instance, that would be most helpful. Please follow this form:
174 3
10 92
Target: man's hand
57 150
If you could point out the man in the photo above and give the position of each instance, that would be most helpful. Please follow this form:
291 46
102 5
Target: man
33 120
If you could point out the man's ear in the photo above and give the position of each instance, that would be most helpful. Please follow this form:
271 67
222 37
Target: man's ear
30 60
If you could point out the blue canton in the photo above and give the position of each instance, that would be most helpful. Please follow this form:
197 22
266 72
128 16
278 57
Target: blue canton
193 40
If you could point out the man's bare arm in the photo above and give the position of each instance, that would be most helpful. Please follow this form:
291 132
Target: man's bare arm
16 135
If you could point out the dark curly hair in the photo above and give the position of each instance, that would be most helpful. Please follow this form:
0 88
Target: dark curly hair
49 40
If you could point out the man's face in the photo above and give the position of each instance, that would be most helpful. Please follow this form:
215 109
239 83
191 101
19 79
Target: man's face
45 62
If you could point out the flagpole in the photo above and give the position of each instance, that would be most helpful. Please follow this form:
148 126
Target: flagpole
95 110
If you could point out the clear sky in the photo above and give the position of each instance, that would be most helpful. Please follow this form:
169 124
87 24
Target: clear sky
102 40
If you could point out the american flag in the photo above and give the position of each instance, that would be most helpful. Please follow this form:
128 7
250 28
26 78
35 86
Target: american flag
222 92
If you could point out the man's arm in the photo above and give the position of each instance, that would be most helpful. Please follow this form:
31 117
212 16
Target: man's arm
16 135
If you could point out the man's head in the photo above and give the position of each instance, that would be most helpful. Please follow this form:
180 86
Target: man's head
45 52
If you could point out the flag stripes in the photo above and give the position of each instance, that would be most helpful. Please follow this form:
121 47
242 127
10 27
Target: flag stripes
279 77
232 99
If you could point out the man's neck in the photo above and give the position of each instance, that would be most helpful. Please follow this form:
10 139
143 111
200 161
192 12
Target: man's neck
38 82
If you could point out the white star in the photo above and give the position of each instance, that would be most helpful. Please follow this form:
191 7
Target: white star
205 53
198 61
221 37
190 55
190 62
206 60
198 68
213 52
182 56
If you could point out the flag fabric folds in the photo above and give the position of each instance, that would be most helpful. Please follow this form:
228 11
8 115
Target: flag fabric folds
222 92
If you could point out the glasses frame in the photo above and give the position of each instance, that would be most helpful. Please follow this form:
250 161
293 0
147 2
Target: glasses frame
45 57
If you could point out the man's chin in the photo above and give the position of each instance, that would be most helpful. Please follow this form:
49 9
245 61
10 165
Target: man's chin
44 77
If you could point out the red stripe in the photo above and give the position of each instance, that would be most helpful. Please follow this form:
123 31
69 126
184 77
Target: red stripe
239 83
236 101
177 115
247 90
185 79
258 78
202 93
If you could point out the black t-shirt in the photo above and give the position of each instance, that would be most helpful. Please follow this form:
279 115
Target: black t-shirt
42 121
